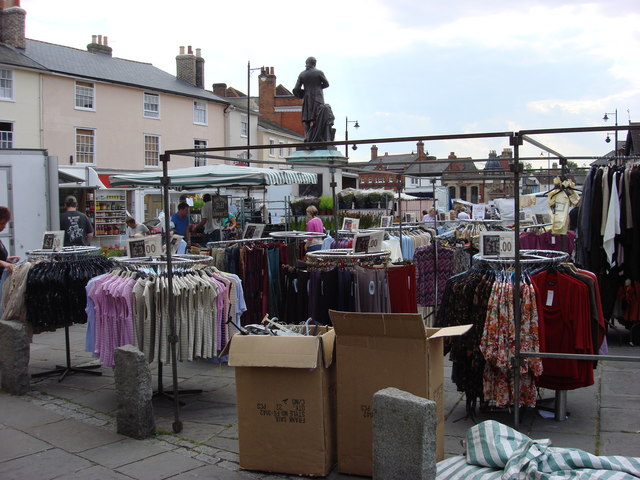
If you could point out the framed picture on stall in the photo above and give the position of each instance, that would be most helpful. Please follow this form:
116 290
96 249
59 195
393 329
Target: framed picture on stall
350 224
385 221
253 230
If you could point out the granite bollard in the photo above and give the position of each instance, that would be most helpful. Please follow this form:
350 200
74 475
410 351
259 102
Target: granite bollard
404 436
14 358
134 393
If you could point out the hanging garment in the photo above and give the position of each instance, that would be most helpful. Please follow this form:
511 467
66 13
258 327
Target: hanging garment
565 318
402 288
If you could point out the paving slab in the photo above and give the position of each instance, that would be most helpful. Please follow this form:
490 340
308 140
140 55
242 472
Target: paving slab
164 465
96 472
15 444
121 453
616 443
43 465
211 471
73 435
620 420
19 413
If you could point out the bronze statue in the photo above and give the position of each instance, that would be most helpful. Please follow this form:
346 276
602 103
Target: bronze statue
317 116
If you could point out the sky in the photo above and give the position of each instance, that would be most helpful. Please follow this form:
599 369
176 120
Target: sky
401 68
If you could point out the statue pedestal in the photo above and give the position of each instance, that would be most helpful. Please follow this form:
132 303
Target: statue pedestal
328 157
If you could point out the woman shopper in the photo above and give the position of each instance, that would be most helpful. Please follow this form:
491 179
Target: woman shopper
314 224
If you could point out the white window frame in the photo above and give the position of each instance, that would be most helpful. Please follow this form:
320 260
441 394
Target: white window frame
281 151
87 150
244 125
150 162
6 136
84 90
147 112
200 110
199 161
6 84
272 147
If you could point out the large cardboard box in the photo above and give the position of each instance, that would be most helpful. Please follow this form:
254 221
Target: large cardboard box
376 351
286 402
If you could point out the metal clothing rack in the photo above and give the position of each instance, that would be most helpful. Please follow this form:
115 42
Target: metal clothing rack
161 265
347 256
219 243
66 254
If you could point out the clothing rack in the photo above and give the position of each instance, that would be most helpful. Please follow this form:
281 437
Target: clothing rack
66 254
297 234
219 243
160 264
346 256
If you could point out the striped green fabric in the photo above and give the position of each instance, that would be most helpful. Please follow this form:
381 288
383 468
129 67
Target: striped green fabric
496 451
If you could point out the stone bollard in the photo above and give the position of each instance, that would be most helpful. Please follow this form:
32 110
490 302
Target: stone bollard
14 358
404 436
134 393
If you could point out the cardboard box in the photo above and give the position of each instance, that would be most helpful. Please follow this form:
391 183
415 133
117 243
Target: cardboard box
286 402
376 351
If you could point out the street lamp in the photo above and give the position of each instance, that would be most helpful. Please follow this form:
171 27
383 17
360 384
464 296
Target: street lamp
346 134
608 139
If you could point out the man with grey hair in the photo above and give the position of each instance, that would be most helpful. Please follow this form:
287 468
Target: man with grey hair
309 88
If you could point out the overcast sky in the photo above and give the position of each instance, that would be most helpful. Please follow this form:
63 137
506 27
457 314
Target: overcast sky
400 67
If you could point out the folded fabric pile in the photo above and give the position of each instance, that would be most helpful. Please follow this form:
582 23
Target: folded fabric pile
495 451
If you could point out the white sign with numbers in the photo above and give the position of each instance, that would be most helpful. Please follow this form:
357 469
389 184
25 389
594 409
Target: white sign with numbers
368 242
148 246
52 241
498 244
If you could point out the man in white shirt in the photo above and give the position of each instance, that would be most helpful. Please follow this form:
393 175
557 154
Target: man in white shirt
211 225
463 215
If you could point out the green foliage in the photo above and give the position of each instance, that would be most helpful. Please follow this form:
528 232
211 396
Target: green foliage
325 203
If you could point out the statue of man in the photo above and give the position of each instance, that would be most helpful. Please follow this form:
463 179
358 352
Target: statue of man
309 87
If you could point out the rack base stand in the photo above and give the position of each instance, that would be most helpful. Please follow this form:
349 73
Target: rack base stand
64 370
170 394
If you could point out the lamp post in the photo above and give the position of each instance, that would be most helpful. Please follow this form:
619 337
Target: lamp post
346 134
605 118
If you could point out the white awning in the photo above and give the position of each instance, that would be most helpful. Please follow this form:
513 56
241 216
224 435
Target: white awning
83 177
216 176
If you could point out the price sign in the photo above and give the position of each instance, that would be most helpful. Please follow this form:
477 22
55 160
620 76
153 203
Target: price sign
144 246
497 244
478 212
53 241
368 242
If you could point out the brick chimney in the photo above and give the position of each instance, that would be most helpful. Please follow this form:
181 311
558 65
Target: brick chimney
267 91
220 89
12 24
99 44
374 152
186 66
199 69
421 155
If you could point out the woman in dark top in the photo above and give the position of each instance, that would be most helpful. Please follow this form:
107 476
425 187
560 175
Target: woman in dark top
5 260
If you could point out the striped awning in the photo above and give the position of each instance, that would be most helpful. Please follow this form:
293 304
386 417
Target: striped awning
215 176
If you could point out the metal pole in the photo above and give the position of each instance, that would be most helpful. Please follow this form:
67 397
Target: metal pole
248 111
346 137
616 147
516 141
172 337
